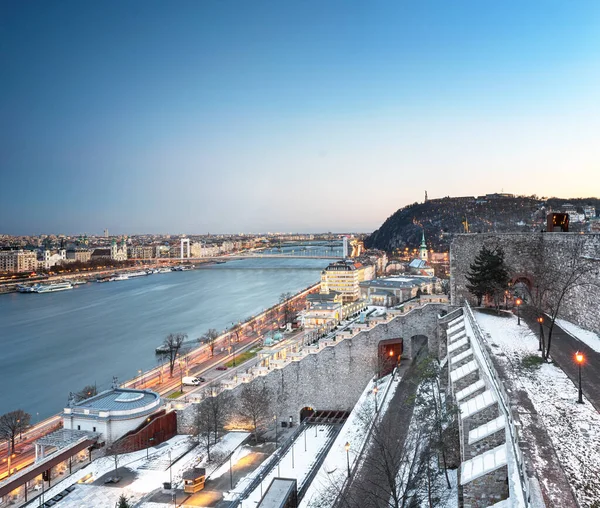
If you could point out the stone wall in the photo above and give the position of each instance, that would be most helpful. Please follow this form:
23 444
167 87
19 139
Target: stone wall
487 490
335 377
522 250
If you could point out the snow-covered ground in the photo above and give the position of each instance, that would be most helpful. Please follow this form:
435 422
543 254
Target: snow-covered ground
149 473
573 428
333 471
585 336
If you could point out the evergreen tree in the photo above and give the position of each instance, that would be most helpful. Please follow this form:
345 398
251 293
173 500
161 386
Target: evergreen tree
488 275
123 503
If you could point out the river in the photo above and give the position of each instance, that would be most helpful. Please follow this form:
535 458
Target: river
52 344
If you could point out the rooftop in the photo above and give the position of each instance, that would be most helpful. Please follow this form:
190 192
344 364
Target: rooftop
119 399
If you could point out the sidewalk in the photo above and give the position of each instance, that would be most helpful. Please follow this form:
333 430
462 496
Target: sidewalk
562 351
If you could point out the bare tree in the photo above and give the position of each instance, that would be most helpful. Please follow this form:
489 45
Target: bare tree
555 276
203 426
254 404
219 407
12 424
173 344
210 338
287 309
86 392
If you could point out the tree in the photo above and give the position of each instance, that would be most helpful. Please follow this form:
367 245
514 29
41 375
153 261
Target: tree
210 338
203 426
287 309
13 424
123 502
219 407
173 344
86 392
254 404
488 275
556 275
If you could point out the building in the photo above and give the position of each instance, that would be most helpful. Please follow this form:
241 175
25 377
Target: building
118 252
423 255
18 261
282 493
142 251
391 291
344 278
112 413
589 211
321 314
420 267
79 254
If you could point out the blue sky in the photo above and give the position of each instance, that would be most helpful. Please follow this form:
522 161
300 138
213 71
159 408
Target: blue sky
228 116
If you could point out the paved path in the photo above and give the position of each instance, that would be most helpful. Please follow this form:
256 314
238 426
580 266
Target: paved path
562 351
368 487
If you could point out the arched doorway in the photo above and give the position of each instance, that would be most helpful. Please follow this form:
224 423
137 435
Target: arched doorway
306 412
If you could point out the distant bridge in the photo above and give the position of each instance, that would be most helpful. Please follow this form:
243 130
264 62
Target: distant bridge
245 256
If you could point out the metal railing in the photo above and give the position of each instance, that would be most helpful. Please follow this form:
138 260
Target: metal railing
503 403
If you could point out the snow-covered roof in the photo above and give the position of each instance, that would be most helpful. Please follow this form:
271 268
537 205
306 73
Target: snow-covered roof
478 403
483 464
465 392
463 371
487 429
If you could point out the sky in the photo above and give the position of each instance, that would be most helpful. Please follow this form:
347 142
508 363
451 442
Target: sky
235 116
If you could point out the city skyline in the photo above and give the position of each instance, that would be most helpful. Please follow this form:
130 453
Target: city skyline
277 117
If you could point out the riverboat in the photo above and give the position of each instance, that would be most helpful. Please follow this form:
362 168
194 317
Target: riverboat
22 288
119 277
164 270
141 273
52 288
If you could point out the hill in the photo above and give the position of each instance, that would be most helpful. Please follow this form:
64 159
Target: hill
443 218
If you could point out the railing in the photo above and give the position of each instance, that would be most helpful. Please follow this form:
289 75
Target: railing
503 403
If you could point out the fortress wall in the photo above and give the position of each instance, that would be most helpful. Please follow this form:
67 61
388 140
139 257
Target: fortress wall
522 251
335 377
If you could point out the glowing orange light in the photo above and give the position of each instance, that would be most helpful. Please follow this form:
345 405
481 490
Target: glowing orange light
347 446
391 352
579 357
540 320
519 301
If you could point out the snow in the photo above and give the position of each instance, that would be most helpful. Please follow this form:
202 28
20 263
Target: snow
574 429
149 473
585 336
333 471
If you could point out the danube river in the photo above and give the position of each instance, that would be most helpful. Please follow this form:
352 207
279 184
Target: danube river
52 344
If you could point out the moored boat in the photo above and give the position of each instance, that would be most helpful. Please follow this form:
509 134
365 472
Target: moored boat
52 288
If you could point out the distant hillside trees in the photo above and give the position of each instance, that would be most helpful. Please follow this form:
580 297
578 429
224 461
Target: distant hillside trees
488 276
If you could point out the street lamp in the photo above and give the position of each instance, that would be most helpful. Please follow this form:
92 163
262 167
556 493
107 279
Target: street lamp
375 390
275 420
540 320
347 446
579 358
518 303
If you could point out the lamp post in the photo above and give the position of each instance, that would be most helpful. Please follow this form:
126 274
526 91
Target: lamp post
275 420
230 472
518 303
540 320
170 470
347 446
375 390
579 358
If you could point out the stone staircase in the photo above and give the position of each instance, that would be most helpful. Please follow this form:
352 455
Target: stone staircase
484 472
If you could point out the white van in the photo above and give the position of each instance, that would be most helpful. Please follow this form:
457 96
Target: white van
191 381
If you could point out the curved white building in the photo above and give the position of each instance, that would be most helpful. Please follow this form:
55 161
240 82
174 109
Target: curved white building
112 413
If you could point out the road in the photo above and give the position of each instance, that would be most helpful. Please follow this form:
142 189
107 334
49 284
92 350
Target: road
562 351
197 362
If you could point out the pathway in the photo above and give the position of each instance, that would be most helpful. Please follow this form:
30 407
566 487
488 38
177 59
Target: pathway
563 349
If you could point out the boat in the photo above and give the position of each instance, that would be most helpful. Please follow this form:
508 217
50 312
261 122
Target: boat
104 279
52 288
140 273
78 282
22 288
164 270
120 276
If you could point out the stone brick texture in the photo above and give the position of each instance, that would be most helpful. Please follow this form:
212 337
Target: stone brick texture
468 380
474 421
335 377
486 490
521 251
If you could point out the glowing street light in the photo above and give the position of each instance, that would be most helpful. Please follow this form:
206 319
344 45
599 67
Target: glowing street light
540 320
579 358
519 302
347 446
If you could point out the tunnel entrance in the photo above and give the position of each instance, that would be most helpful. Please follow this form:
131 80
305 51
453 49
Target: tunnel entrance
324 416
306 412
389 354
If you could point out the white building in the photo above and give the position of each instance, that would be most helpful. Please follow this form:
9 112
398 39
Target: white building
112 413
118 252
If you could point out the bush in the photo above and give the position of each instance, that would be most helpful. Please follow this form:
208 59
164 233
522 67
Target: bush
532 361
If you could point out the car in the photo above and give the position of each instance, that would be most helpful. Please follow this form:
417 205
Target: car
221 367
201 379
